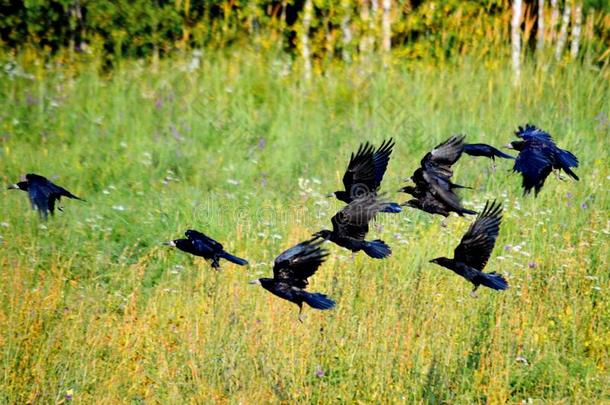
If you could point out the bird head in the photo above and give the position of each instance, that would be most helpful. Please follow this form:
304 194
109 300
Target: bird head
515 145
441 261
323 234
409 190
412 203
22 185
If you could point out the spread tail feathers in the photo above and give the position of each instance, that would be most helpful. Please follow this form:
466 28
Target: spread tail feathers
494 281
377 249
392 208
570 173
318 300
233 259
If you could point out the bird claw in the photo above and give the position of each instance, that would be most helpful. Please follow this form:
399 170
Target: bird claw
301 316
473 294
443 224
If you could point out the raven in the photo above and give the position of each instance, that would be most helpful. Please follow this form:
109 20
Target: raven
474 250
538 157
198 244
365 172
351 224
43 193
434 191
291 269
481 149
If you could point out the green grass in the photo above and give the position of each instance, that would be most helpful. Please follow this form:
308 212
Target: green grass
241 149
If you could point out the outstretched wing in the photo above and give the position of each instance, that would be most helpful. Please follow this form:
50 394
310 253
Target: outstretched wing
444 155
360 170
534 165
476 245
381 157
353 220
295 265
534 134
441 188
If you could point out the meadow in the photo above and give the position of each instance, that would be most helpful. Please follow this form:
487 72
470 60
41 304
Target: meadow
93 309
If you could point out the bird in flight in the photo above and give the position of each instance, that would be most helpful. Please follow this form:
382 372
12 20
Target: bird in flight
365 172
433 191
43 193
474 250
351 224
488 151
199 244
538 157
291 269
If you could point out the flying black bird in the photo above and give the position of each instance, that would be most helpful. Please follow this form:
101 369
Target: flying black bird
434 191
43 193
474 250
365 172
291 270
481 149
198 244
351 224
538 157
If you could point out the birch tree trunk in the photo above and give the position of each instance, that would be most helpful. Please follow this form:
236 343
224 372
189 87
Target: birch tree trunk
346 30
373 23
305 50
386 26
516 39
540 39
554 18
364 17
576 29
563 32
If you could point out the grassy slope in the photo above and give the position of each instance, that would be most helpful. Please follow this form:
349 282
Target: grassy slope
93 303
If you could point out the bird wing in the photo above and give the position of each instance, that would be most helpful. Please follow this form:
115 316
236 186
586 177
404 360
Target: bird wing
199 238
534 134
534 165
441 188
381 157
41 193
360 171
476 245
295 265
445 154
353 220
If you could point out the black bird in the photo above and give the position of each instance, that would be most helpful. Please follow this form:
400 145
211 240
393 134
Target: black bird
291 269
538 157
43 193
474 250
351 224
365 172
481 149
198 244
434 191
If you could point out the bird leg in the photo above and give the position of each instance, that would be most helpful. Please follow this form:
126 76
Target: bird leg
473 293
443 223
493 166
353 256
301 312
559 176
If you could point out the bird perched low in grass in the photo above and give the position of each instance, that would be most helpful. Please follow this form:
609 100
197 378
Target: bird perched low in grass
43 193
434 191
488 151
351 224
198 244
538 157
291 269
365 172
474 250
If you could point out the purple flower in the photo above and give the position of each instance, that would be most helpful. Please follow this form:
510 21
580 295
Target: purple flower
569 195
30 100
584 206
532 265
507 248
159 103
319 372
262 142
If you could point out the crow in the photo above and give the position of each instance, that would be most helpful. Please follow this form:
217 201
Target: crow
538 157
43 193
291 269
434 191
365 172
351 224
198 244
474 250
481 149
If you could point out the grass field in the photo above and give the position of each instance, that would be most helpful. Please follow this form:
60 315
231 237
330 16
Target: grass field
93 309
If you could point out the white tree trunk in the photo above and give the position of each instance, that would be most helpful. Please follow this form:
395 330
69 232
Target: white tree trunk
386 26
576 29
516 39
554 18
305 50
563 32
364 17
346 30
540 39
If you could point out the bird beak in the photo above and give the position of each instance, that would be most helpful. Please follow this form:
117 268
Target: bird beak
432 261
170 243
13 187
257 281
509 146
329 195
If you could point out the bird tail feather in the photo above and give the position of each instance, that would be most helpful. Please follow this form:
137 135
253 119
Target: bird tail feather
392 208
570 172
494 281
318 300
377 249
233 259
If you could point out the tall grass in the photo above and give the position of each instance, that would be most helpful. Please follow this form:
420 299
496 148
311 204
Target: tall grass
92 305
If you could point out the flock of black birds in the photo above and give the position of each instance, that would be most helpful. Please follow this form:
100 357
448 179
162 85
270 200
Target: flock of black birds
433 192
